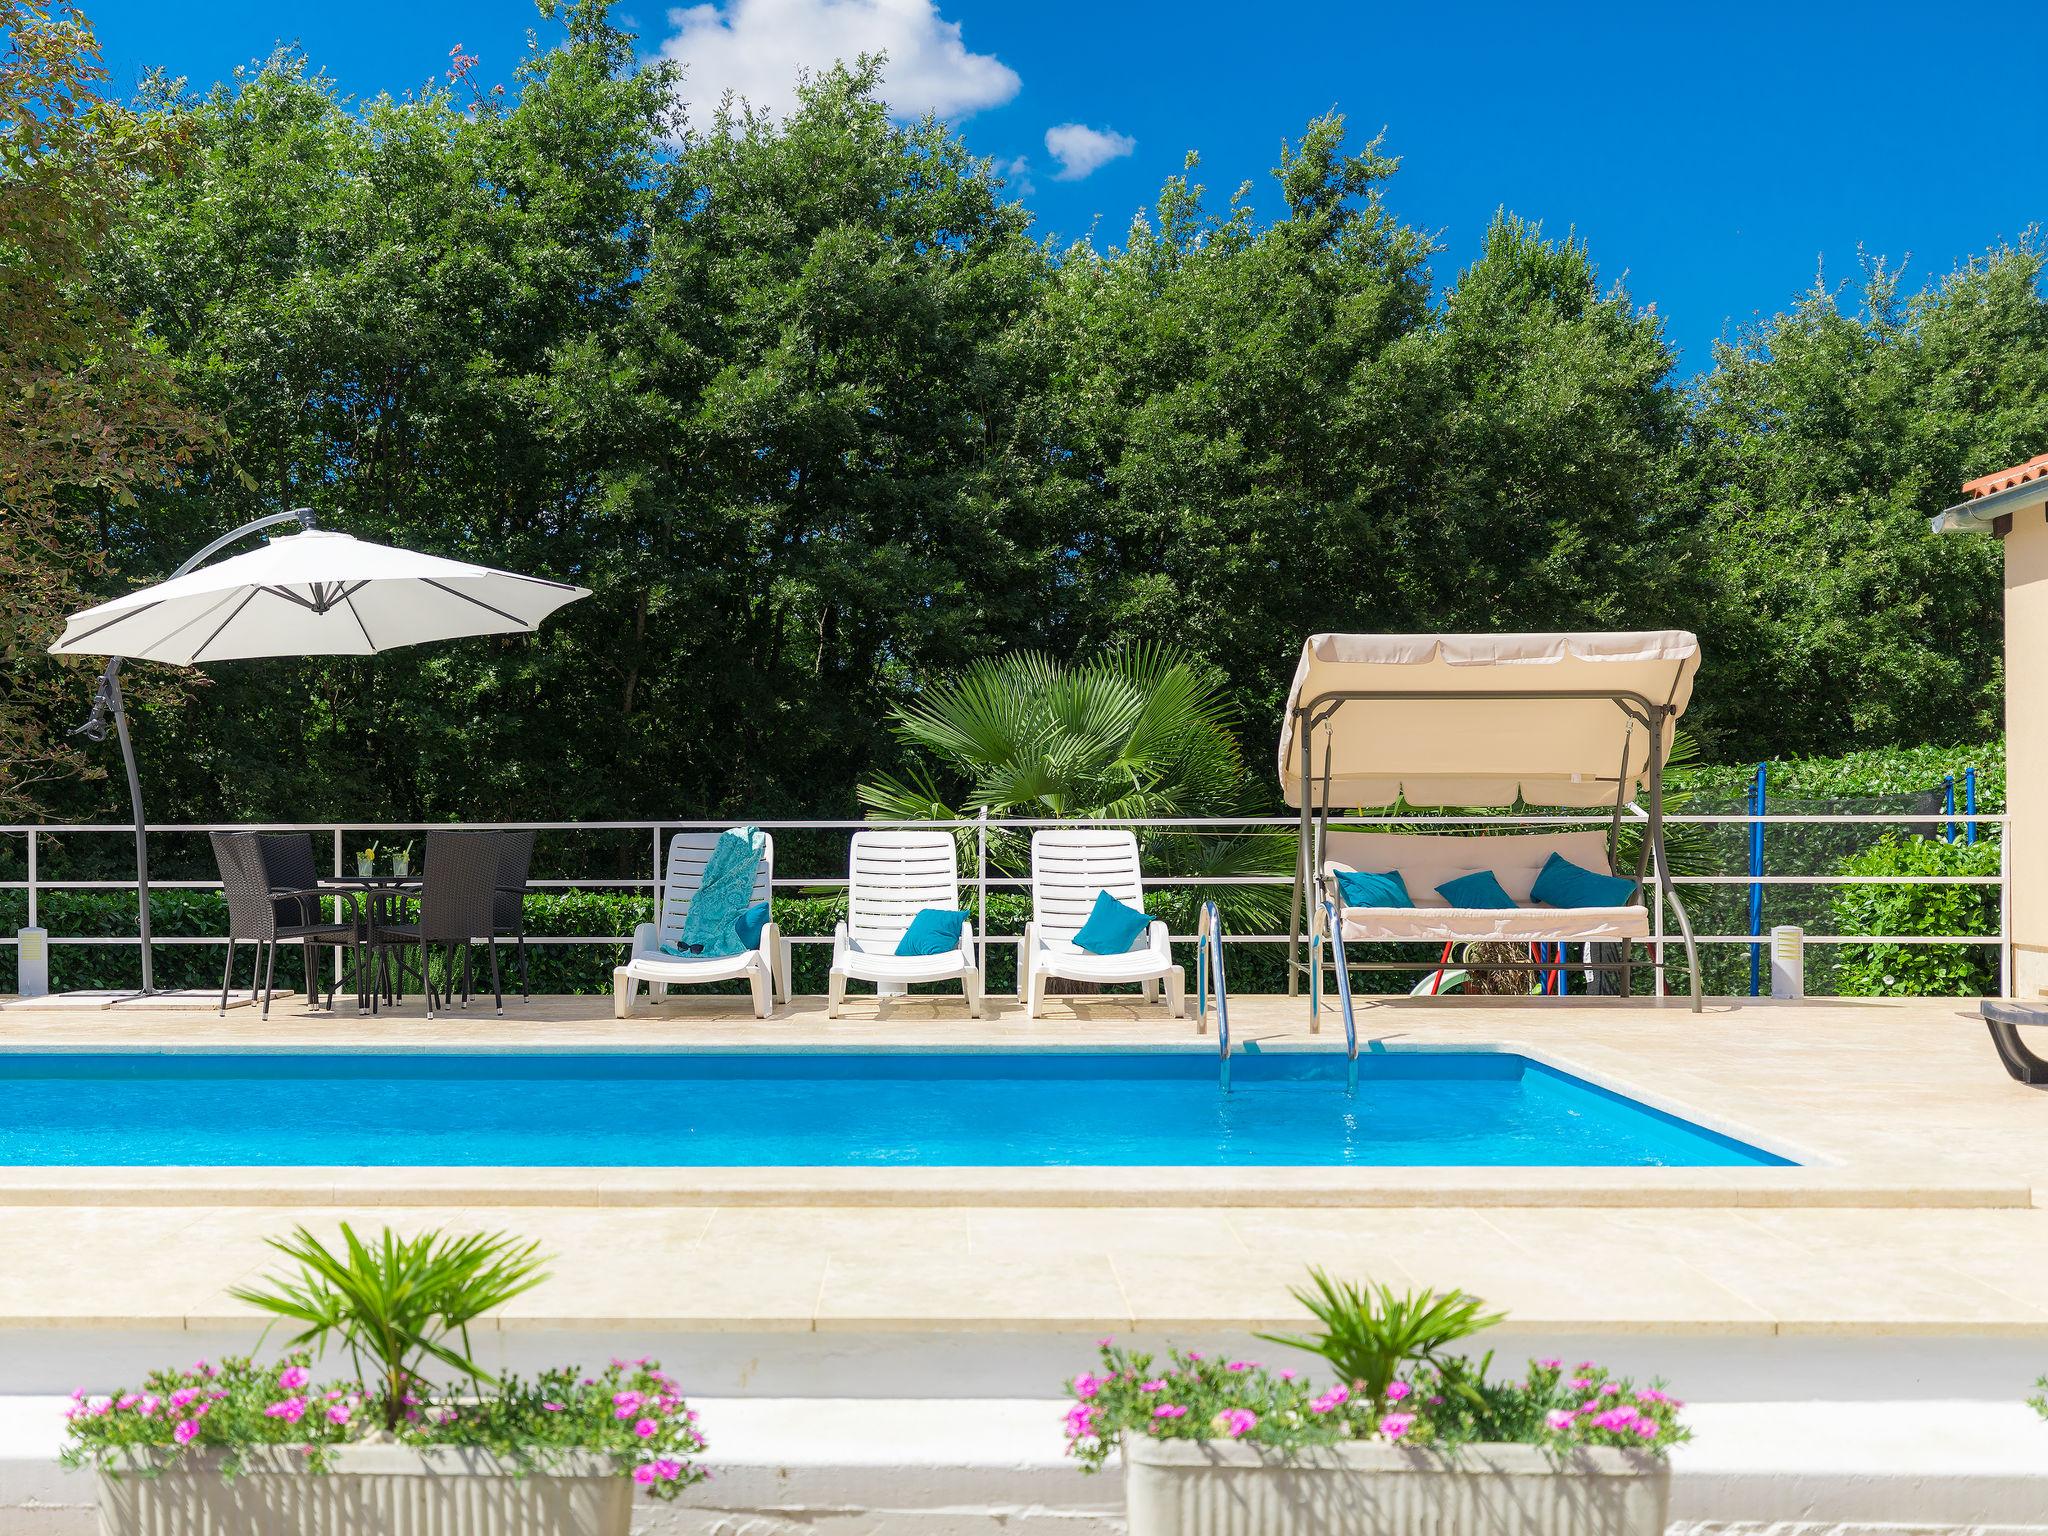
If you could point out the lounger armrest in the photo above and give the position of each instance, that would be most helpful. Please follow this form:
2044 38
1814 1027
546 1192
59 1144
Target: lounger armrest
770 948
646 940
967 941
842 942
1161 944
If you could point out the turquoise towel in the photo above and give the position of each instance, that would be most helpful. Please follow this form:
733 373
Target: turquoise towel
709 927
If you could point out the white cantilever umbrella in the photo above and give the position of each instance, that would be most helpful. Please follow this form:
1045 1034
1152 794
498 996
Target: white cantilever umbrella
313 593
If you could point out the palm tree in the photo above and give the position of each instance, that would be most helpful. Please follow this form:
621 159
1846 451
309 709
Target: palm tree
1137 733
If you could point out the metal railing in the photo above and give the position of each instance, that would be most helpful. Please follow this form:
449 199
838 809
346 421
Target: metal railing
985 876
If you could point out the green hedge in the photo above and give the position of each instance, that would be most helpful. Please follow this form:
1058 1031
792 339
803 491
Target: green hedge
1918 970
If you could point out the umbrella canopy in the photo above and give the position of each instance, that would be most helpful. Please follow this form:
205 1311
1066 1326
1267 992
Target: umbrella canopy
1539 724
312 594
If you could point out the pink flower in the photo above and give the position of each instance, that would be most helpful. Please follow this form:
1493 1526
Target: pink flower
186 1432
1647 1428
1235 1422
1194 1355
1289 1375
293 1377
338 1414
1616 1420
551 1407
1395 1425
644 1473
147 1406
1652 1395
1612 1389
1081 1421
1333 1399
1578 1384
1560 1419
647 1429
291 1410
1169 1411
1153 1386
1551 1365
1104 1343
1396 1390
1086 1386
1243 1365
668 1471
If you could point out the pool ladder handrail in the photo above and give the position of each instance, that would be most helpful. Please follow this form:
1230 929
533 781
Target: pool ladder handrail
1334 925
1208 962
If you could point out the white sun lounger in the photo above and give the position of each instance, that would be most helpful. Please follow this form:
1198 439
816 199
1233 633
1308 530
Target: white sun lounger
892 876
688 853
1069 869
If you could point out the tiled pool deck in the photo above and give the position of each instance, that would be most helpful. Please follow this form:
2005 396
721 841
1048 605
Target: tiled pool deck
1915 1210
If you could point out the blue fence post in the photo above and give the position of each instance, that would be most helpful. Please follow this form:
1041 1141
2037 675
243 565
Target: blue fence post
1758 799
1970 805
1948 806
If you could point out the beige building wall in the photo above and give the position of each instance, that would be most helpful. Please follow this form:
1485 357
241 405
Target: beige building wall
2026 746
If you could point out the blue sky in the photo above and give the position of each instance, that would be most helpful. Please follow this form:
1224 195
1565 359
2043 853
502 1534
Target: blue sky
1717 157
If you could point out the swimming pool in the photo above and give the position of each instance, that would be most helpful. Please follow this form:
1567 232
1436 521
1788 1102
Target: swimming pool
1145 1108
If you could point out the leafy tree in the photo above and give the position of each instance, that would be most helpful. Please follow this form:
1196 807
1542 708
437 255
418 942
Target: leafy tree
821 423
817 472
89 413
1823 441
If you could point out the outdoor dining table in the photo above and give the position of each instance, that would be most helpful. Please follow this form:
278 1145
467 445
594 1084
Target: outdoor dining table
383 899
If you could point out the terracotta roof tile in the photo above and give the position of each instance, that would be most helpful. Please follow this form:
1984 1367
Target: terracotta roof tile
2005 479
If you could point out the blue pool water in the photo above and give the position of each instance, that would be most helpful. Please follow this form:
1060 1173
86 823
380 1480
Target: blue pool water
817 1108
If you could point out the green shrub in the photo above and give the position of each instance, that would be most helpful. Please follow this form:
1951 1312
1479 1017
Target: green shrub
1918 970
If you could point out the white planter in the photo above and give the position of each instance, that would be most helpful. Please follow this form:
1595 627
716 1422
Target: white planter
370 1490
1225 1488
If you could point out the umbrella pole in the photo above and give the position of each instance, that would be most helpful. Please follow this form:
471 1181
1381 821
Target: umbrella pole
112 681
109 702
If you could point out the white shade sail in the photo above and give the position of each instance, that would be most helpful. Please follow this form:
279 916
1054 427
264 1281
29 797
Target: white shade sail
1477 719
312 594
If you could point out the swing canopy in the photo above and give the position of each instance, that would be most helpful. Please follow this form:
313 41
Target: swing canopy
1481 720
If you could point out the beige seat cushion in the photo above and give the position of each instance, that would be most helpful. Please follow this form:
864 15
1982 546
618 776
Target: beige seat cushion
1428 860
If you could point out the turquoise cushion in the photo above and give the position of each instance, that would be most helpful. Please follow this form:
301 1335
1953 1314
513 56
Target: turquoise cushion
1363 890
1112 927
1565 884
933 931
748 925
1476 891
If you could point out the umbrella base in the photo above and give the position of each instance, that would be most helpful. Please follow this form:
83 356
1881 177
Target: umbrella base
179 998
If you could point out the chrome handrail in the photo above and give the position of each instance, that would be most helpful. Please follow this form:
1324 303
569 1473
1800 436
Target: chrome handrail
1209 963
1336 927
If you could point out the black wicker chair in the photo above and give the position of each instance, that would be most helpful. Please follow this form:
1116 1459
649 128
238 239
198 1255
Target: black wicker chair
457 908
273 895
508 913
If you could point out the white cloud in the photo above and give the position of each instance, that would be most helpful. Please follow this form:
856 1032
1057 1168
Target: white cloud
1081 150
1016 175
757 48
